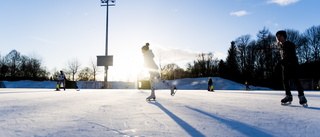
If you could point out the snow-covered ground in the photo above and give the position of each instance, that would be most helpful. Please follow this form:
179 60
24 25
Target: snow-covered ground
187 83
125 112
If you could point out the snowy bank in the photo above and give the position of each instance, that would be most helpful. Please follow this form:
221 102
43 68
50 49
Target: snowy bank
185 84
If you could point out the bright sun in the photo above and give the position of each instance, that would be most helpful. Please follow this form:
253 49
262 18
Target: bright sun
127 66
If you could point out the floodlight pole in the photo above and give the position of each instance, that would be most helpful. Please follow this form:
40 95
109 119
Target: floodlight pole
107 20
106 3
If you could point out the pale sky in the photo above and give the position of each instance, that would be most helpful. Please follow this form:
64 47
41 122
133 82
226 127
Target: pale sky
178 30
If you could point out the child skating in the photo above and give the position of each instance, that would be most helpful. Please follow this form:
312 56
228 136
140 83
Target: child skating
210 85
153 71
61 81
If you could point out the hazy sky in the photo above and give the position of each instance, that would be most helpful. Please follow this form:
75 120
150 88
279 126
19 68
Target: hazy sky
178 30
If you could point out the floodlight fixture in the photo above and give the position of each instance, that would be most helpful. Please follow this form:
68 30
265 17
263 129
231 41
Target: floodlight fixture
108 2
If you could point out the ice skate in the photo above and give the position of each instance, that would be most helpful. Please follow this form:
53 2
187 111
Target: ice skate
151 97
57 87
287 100
303 101
173 90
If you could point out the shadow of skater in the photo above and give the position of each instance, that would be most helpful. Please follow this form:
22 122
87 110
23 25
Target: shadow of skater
187 127
235 125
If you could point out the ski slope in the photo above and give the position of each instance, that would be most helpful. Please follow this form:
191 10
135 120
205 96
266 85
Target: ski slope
125 112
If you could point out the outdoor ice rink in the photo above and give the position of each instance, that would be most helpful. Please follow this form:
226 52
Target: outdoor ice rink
120 112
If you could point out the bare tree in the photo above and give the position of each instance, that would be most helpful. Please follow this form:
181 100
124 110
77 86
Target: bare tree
167 72
313 40
13 62
74 66
94 68
242 43
206 65
3 68
266 54
86 74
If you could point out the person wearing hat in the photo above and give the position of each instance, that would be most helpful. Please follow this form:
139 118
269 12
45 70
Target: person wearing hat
289 63
153 70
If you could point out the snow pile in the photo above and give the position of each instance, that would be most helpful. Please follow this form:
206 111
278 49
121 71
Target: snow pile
186 83
202 83
30 84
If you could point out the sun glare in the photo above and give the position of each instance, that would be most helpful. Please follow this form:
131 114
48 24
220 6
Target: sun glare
127 67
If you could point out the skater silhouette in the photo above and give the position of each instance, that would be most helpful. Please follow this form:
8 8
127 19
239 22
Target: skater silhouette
153 71
247 85
210 84
289 63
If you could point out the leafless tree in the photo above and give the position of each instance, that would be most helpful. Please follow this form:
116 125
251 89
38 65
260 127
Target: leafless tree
313 40
74 66
94 68
85 74
13 62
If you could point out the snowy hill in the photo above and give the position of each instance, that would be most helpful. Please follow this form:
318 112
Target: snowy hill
202 83
187 84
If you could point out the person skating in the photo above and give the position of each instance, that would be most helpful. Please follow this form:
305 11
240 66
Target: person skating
153 71
210 84
289 63
247 86
61 81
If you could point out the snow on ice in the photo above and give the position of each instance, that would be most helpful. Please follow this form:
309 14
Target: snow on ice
30 110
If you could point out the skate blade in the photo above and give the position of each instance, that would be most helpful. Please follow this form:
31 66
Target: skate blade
285 103
150 99
305 105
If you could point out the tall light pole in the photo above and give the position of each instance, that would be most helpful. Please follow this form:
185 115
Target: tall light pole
106 60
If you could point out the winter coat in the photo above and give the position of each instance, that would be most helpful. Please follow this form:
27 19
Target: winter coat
148 60
210 82
61 77
289 60
288 54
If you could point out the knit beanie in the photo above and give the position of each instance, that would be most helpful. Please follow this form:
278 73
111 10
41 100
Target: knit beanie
145 47
282 33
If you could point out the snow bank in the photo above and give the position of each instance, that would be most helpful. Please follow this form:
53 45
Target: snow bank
186 84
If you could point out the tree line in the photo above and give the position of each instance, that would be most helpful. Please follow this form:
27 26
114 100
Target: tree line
255 61
14 66
248 59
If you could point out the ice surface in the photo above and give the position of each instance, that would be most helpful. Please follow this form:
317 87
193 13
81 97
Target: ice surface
125 112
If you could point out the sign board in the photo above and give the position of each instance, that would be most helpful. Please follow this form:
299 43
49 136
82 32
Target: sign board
104 60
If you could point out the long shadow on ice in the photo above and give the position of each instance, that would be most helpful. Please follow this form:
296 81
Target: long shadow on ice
314 108
188 128
22 91
243 128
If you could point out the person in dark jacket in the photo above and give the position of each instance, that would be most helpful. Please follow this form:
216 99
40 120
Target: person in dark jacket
247 86
210 84
290 65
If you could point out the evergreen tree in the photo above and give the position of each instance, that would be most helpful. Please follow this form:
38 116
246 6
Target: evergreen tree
231 63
